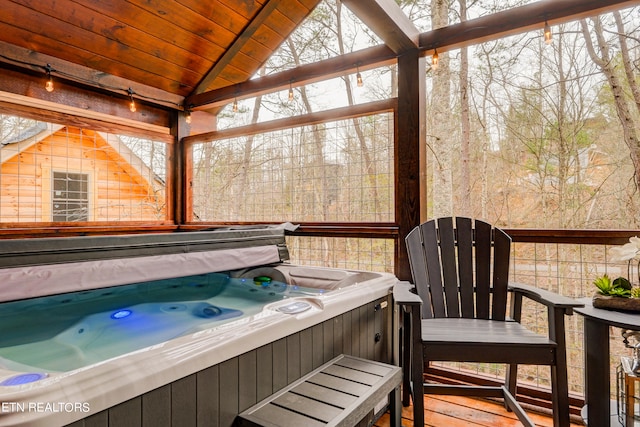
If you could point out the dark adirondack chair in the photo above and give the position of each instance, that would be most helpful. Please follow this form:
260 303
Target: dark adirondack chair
457 311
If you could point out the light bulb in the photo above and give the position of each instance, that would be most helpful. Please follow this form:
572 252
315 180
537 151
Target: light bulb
49 85
359 81
132 104
290 94
434 60
548 39
188 118
235 105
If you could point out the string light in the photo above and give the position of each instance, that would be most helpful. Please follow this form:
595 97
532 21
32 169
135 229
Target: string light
77 78
132 104
359 80
434 60
187 113
548 39
49 85
290 92
235 105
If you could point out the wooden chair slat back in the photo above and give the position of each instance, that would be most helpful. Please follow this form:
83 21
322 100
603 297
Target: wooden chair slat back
434 269
460 270
418 265
501 254
483 269
449 265
464 232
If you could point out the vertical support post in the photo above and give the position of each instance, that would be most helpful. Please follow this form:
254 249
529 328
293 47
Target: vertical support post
179 129
409 152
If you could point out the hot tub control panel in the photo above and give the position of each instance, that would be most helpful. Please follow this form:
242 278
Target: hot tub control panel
294 307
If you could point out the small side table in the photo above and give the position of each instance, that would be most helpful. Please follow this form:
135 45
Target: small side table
597 412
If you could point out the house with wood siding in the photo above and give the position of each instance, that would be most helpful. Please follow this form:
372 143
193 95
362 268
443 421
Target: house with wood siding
54 173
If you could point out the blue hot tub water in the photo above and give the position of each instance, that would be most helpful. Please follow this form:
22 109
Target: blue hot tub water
64 332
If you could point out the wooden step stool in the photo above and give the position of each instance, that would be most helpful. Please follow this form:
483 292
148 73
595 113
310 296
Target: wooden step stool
339 393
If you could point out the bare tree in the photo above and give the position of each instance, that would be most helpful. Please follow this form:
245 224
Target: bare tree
465 124
439 134
627 107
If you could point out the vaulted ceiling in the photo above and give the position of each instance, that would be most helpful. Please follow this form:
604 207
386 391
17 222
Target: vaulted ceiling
201 51
181 47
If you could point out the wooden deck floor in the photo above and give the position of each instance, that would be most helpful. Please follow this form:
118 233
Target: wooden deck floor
455 411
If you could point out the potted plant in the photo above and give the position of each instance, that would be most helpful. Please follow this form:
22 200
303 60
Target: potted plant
620 293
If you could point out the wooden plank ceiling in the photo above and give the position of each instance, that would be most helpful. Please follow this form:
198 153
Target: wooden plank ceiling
201 53
181 47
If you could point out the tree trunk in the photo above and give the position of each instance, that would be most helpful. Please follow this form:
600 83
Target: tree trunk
630 126
440 135
245 167
465 123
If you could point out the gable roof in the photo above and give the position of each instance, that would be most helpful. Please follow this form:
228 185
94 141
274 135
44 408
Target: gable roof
16 144
26 139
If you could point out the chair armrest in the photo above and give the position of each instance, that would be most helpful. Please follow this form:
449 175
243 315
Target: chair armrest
403 294
548 298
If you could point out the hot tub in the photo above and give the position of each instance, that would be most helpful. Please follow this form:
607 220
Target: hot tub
91 338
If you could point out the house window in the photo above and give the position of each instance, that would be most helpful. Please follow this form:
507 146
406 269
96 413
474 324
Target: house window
70 196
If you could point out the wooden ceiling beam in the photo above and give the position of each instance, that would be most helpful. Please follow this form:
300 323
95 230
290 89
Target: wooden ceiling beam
305 74
308 119
515 21
27 88
388 21
34 62
263 15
